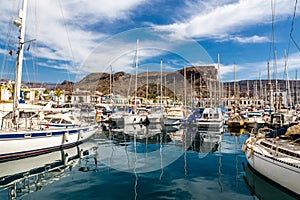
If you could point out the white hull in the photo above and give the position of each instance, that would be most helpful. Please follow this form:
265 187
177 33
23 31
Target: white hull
281 169
171 121
174 116
134 119
122 120
263 188
26 143
211 120
17 166
210 125
155 118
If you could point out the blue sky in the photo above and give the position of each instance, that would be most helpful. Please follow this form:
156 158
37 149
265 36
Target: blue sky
76 37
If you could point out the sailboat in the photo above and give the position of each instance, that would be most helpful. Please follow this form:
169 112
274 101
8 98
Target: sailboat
131 115
17 140
235 121
278 151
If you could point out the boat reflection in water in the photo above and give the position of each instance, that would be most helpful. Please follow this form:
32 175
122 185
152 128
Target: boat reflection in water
202 141
23 176
264 188
138 148
236 131
141 149
206 142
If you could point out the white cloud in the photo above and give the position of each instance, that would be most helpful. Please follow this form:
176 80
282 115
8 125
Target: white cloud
220 20
122 57
252 39
91 11
60 26
251 71
70 41
119 52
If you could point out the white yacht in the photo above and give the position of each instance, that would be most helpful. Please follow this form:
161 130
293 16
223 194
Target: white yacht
174 116
123 117
156 115
211 120
254 119
277 158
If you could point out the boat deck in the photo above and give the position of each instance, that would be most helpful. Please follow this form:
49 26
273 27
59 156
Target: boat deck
283 150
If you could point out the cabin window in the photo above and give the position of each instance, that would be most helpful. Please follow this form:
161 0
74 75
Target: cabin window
64 121
26 114
55 120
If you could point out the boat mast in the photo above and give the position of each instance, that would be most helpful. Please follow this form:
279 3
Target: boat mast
192 90
234 88
136 72
184 83
174 90
165 84
161 93
296 88
210 92
275 72
287 81
200 99
110 80
19 62
255 95
147 86
229 94
270 90
219 82
260 87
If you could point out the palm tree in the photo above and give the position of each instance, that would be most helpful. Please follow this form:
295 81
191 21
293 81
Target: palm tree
10 88
58 94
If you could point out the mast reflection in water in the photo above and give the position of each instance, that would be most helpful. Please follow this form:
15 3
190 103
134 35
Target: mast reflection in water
140 162
21 177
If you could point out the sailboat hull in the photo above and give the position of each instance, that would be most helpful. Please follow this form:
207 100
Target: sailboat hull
22 144
284 171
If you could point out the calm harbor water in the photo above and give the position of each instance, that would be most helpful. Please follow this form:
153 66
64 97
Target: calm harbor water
143 163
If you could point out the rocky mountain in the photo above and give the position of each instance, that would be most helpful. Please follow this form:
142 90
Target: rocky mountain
259 88
124 84
200 81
